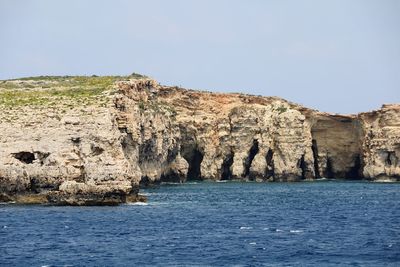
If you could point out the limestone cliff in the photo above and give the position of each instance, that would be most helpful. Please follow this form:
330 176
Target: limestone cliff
92 140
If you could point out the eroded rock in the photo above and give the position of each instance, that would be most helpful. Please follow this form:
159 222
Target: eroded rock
144 133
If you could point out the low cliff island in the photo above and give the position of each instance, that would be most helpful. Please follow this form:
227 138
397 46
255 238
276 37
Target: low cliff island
95 140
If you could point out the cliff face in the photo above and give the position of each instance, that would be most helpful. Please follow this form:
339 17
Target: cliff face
98 147
381 143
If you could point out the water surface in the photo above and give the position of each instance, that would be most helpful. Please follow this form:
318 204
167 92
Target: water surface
327 223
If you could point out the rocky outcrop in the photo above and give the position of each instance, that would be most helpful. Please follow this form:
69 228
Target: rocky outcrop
381 143
87 153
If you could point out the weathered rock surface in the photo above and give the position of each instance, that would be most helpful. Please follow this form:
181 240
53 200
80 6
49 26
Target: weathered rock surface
86 153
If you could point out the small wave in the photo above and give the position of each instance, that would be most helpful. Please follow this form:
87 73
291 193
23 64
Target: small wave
252 243
137 204
266 228
296 231
278 230
6 203
324 179
384 181
222 181
158 203
245 228
146 194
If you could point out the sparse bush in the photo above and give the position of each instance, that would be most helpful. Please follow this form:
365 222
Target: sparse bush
281 109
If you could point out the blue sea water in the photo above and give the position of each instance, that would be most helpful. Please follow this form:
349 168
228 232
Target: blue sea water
328 223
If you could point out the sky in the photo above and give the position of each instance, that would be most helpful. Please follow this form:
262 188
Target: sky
340 56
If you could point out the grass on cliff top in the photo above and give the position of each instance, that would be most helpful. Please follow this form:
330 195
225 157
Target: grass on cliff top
56 90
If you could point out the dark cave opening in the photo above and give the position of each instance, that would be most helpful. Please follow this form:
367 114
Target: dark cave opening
314 148
194 171
25 157
355 172
389 156
329 169
270 163
226 167
388 160
144 182
171 177
252 153
193 156
303 166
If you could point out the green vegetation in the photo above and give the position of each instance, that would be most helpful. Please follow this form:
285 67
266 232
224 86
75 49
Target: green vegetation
141 105
56 90
281 109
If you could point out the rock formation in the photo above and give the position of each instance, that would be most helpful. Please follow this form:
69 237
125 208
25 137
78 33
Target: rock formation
93 140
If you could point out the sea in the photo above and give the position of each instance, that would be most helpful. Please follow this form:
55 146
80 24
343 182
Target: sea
320 223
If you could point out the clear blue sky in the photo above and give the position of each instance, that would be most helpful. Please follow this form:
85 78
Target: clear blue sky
338 56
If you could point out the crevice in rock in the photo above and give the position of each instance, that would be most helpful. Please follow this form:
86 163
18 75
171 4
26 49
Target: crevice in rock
96 150
82 170
252 153
329 169
171 154
128 147
314 148
391 158
76 140
25 157
34 185
42 156
303 166
146 150
226 167
270 163
388 161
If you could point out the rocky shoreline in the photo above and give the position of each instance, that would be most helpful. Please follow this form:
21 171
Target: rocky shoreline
95 140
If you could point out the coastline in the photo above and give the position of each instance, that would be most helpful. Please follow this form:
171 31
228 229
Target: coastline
77 140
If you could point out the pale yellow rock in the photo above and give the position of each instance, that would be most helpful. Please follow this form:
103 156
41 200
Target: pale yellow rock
142 131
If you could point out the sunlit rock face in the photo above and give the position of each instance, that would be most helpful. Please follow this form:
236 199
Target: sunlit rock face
381 143
236 136
138 132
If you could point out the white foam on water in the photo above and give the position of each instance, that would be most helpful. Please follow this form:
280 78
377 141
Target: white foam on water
252 243
137 204
146 194
384 181
266 228
245 228
278 230
222 181
322 179
296 231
